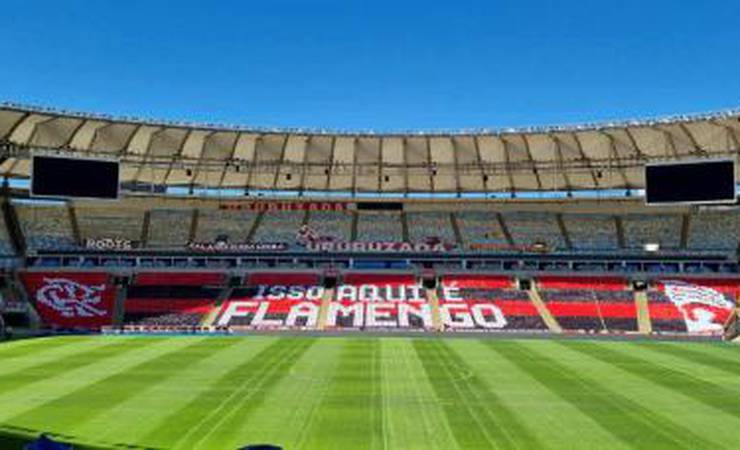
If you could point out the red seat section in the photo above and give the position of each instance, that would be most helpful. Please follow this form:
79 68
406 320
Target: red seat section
283 278
180 278
385 279
596 283
590 304
480 302
172 298
479 281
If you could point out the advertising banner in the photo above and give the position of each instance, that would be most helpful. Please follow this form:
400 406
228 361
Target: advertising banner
71 299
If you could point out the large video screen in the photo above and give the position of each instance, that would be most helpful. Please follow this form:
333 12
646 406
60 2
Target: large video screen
53 176
691 182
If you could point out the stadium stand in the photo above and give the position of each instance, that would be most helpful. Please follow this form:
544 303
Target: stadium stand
479 227
533 228
379 226
591 232
714 231
214 224
486 302
590 304
433 224
46 226
641 229
332 224
279 226
112 221
273 300
169 227
379 301
171 298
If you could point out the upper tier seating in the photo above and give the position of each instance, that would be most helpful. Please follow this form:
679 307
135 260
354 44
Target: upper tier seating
379 226
214 224
424 225
480 227
109 222
169 227
279 226
714 231
531 228
645 229
591 231
334 224
46 227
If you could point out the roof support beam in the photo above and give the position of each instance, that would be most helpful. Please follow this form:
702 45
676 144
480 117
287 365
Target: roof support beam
535 172
615 157
507 165
280 162
479 158
561 162
586 159
331 168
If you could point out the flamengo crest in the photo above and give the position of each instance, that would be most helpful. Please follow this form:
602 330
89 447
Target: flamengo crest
70 298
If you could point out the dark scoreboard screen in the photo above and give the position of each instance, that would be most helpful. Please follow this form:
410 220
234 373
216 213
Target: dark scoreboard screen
53 176
691 182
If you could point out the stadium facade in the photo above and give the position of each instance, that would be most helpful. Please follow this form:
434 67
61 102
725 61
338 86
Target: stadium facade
224 228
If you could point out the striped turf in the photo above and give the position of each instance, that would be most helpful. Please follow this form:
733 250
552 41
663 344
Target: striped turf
372 393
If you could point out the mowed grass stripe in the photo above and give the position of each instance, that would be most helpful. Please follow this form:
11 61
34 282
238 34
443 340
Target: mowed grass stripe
218 430
82 356
73 410
703 391
144 411
291 403
351 412
476 414
59 384
56 352
32 347
695 356
413 415
625 419
545 413
201 408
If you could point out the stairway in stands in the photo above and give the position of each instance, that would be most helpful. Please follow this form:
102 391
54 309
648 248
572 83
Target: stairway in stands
547 317
644 325
324 308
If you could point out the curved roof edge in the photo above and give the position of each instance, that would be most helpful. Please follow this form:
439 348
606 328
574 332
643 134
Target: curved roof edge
586 126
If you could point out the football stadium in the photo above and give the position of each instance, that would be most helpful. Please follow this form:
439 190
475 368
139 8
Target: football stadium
177 285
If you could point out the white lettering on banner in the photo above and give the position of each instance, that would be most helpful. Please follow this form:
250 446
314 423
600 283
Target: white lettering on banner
451 293
498 321
699 306
259 317
456 315
236 309
423 312
367 314
336 308
109 244
306 310
355 246
380 315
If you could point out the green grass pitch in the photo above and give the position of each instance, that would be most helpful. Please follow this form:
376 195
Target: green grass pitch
372 393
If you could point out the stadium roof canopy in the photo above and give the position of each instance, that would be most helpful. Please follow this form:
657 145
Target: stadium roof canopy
586 157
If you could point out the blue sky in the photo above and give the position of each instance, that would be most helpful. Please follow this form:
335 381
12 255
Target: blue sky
373 64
